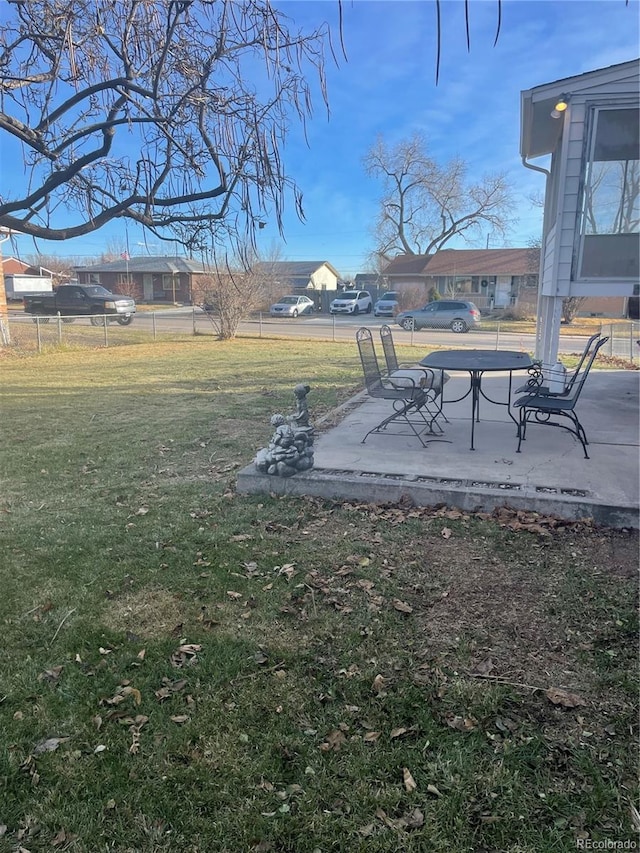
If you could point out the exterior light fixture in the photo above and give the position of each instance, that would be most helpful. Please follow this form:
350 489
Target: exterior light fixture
561 105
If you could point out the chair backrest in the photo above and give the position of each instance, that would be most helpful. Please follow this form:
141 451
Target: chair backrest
581 373
370 366
575 374
389 349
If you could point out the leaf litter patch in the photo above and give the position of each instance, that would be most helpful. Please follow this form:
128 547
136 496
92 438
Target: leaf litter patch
148 613
537 614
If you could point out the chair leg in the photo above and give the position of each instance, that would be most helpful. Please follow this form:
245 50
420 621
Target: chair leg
403 411
576 429
432 419
579 432
522 425
438 403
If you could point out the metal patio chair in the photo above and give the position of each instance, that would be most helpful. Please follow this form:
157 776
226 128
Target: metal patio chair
432 381
412 405
540 408
536 382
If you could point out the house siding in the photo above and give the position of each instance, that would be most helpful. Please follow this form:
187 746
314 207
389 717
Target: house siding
566 139
323 277
580 114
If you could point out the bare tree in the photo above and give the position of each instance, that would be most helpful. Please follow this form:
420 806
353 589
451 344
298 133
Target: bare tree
425 204
166 112
235 288
608 181
571 305
61 268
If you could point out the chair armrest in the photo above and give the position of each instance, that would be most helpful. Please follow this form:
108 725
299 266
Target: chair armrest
547 402
534 384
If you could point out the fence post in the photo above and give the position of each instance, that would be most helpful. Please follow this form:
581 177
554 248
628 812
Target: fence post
59 327
38 334
333 327
260 324
194 320
5 331
611 328
631 342
106 337
153 318
498 335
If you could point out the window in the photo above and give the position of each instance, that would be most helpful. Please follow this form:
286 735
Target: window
610 209
94 278
464 284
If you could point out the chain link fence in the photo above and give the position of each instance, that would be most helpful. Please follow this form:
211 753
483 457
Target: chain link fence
26 334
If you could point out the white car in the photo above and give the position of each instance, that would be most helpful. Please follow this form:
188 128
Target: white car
292 306
387 305
352 302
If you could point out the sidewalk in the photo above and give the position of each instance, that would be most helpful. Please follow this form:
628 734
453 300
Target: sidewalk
550 475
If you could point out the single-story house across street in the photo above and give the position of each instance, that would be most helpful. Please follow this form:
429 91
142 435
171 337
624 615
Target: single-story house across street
318 280
492 278
147 278
495 279
14 266
20 278
162 279
296 276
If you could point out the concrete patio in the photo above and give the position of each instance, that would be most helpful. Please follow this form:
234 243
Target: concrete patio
550 475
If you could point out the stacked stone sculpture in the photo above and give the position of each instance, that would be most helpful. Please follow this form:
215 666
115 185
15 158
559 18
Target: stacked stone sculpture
291 447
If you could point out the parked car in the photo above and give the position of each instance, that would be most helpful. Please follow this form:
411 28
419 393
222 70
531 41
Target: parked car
79 300
387 305
444 314
292 306
352 302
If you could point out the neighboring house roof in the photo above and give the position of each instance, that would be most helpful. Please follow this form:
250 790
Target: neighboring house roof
295 269
406 265
367 279
148 264
467 262
484 262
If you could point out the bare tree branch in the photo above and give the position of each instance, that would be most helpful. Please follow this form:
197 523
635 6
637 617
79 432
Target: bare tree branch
166 113
424 204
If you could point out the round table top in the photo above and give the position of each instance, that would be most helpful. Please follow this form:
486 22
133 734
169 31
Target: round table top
477 359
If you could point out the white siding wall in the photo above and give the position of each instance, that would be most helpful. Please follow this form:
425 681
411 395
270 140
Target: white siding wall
324 277
561 206
570 166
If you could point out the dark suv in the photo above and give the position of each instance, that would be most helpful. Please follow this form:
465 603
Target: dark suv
444 314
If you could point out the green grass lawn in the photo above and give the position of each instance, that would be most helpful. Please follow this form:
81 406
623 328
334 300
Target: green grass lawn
186 669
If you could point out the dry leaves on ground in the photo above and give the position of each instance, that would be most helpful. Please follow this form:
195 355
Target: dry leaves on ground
564 698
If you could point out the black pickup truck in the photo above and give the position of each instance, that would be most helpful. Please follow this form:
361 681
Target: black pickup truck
82 300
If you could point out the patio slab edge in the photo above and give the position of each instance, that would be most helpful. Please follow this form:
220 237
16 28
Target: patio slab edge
467 496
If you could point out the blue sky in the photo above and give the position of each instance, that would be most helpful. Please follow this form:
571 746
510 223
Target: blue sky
387 86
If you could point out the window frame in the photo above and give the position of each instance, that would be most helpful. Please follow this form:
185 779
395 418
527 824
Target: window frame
594 112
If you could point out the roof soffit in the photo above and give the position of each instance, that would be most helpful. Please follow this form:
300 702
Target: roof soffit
539 132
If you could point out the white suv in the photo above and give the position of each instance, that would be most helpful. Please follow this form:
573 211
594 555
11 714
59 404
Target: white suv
352 302
387 305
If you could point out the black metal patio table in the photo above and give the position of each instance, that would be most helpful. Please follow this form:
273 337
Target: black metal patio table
478 362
